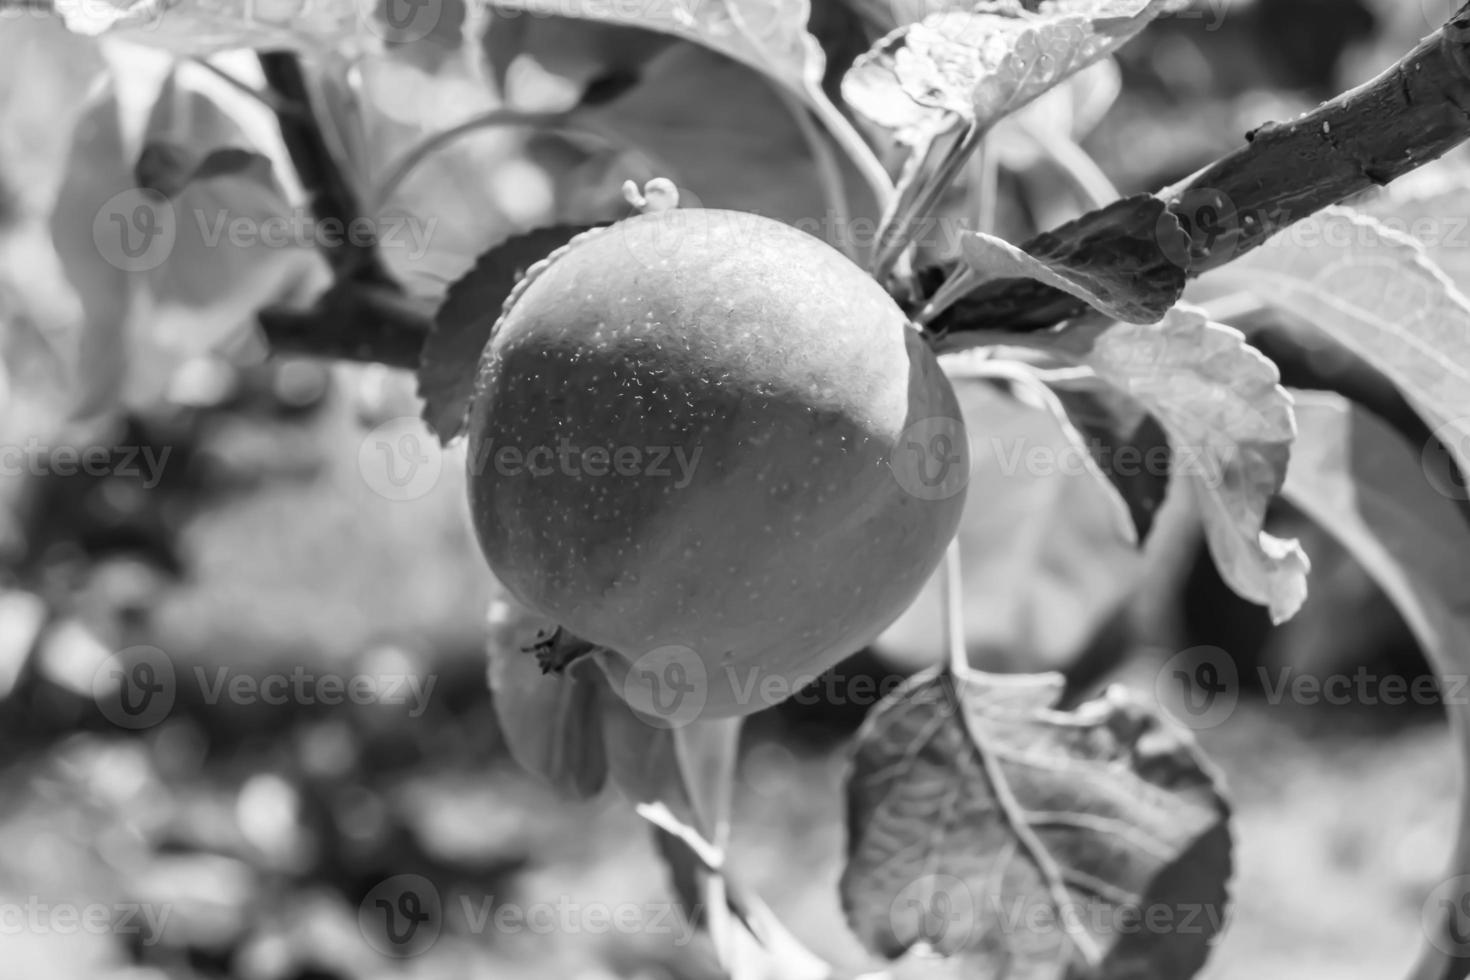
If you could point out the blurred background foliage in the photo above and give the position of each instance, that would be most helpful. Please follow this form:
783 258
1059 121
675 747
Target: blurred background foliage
263 548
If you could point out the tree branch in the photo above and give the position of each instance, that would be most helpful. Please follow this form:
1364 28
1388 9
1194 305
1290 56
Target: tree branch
333 198
1413 113
353 321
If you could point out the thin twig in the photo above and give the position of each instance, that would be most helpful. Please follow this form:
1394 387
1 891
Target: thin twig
332 195
829 171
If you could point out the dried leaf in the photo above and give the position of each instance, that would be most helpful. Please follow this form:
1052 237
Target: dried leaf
1114 289
1028 842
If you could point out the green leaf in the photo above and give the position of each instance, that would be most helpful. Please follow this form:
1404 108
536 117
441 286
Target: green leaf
750 156
990 827
976 66
1362 483
1230 426
462 327
1377 292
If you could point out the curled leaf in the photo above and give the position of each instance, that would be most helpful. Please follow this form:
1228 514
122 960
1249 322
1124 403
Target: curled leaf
977 66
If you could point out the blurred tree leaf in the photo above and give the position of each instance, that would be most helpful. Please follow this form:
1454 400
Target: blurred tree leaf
1043 562
988 826
581 51
462 327
238 243
1355 477
767 35
95 174
1377 292
751 156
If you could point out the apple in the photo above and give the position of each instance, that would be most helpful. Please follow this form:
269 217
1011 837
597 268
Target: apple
712 446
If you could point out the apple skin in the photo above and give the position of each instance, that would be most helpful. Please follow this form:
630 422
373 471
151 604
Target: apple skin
680 447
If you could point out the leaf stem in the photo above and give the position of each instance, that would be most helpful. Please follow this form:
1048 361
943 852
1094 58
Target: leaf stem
324 177
857 149
916 203
1077 165
405 165
829 170
956 652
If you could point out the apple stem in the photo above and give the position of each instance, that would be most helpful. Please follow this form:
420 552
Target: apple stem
954 610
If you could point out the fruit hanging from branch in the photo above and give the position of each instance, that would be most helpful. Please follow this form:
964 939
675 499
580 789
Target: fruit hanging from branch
714 448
